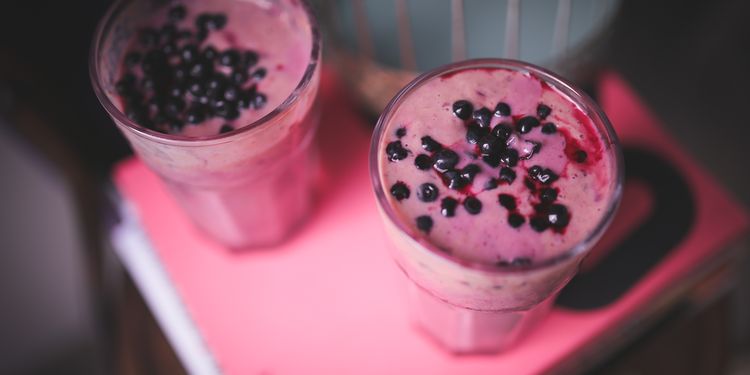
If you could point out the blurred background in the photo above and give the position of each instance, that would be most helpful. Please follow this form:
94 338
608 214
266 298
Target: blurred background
67 306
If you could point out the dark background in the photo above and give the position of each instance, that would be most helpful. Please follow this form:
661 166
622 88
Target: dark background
689 61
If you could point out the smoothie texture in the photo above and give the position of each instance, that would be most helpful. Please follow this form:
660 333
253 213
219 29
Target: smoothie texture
495 166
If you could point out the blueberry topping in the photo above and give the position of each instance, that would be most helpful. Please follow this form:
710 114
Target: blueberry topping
544 176
448 206
217 22
125 85
548 195
469 171
395 151
454 180
132 59
177 13
174 125
400 191
543 111
536 147
167 34
490 184
210 53
226 128
580 156
474 133
509 157
507 175
525 124
431 145
258 74
502 132
472 205
445 159
507 201
400 132
231 94
424 223
549 128
427 192
423 162
539 224
490 145
249 58
515 220
148 37
189 53
195 115
259 100
558 216
502 109
229 57
462 109
491 160
482 116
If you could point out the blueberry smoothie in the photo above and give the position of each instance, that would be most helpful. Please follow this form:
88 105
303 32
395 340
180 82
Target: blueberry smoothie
495 178
219 99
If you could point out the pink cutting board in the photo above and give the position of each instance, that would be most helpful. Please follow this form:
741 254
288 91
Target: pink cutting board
330 301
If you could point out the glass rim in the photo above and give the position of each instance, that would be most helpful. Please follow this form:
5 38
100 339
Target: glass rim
576 95
105 23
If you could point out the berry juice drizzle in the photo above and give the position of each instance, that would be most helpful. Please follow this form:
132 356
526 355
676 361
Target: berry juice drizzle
495 166
195 69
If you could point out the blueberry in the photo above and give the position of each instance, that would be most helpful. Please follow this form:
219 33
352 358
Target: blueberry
472 205
558 216
258 74
201 22
132 59
174 106
539 223
580 156
400 191
217 21
445 159
183 34
259 100
125 85
430 145
535 171
520 262
177 13
249 58
401 132
210 53
227 110
507 201
526 123
509 157
536 147
482 116
148 83
148 37
549 128
448 207
180 73
197 88
428 192
231 94
189 53
454 180
548 195
174 125
492 160
462 109
226 128
201 35
154 62
490 184
195 115
545 176
515 220
176 91
469 171
502 109
238 77
167 33
474 133
543 111
502 131
200 69
170 49
137 114
229 57
424 223
395 151
507 175
216 83
423 162
489 145
246 97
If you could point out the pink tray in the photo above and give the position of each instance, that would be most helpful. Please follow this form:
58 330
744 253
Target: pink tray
330 301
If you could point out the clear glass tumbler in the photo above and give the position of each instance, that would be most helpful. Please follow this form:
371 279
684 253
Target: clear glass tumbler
472 307
245 188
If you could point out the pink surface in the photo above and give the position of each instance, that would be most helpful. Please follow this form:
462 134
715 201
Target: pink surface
330 299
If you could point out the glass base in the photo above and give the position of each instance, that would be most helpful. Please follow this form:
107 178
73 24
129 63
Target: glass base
464 331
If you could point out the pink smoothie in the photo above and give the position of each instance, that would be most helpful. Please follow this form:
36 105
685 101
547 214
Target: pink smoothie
220 99
494 179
